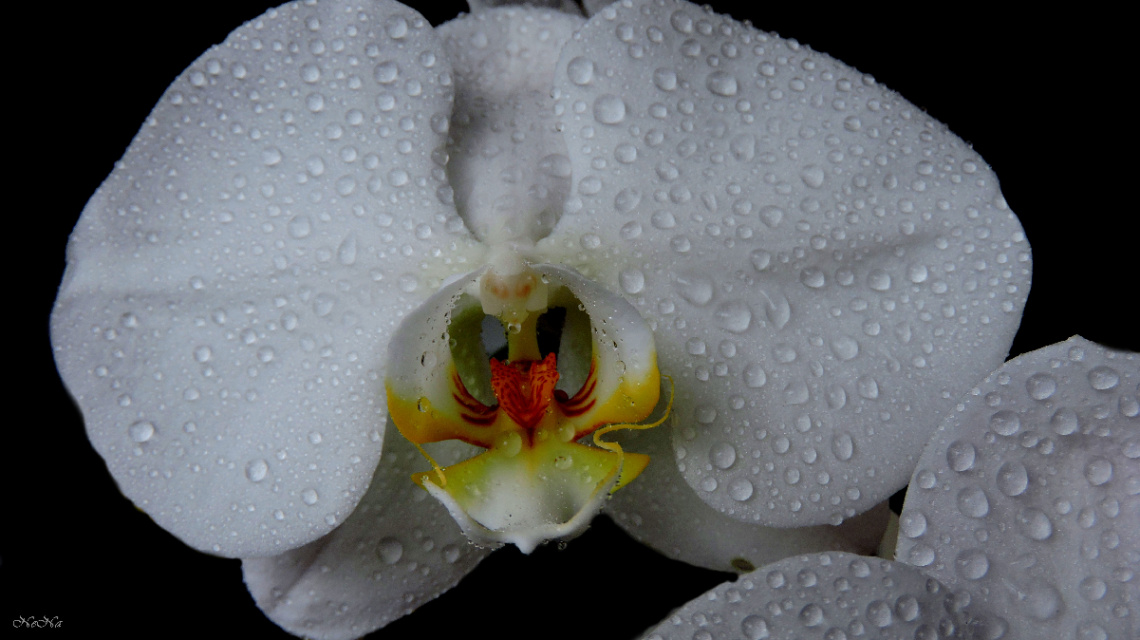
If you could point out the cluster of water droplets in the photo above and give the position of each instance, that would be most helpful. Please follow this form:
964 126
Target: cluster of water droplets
830 596
388 558
233 283
1029 494
824 265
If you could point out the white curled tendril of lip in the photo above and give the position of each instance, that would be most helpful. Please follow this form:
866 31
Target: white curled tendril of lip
825 269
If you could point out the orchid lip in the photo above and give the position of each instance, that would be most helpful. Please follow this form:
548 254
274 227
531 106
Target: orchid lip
535 481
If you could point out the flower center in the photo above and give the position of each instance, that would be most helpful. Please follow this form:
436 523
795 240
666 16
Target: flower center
535 481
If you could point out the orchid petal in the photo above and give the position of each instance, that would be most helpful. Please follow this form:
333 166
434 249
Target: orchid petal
1028 495
232 285
660 510
825 267
827 596
566 6
591 7
508 164
398 550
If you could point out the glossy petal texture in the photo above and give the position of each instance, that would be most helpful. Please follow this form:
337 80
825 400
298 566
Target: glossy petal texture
825 267
232 285
566 6
508 164
660 510
398 550
1028 496
828 596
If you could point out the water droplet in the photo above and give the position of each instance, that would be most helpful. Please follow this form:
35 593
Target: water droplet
755 628
723 455
1098 471
811 615
300 226
390 550
697 290
310 73
845 347
271 156
843 446
1005 423
386 72
917 273
973 503
960 456
256 470
1012 478
879 613
609 109
796 392
755 376
141 431
722 84
310 496
812 278
740 489
1043 601
1093 588
771 215
972 564
346 252
1103 378
868 387
203 354
665 79
836 397
760 259
1041 386
812 176
580 71
626 200
1065 421
632 281
733 316
879 280
912 523
451 554
921 555
1034 524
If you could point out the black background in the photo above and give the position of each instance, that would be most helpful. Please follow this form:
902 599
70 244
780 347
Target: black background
1041 97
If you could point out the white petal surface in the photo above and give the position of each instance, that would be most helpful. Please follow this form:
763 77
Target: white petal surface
568 6
825 267
829 596
231 286
398 550
508 162
660 510
1028 496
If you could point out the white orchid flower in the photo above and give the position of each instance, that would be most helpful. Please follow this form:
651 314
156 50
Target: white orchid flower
341 246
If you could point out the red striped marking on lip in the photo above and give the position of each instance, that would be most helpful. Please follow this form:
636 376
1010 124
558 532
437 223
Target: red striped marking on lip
524 390
473 412
582 401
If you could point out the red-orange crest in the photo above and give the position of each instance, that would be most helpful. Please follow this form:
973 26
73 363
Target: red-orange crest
525 389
